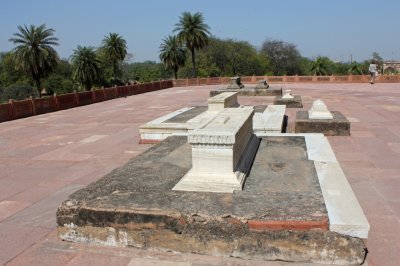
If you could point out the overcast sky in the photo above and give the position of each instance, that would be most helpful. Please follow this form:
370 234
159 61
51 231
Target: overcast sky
337 29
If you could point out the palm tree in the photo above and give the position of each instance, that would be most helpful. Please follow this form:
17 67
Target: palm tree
318 67
355 68
172 54
115 50
34 53
86 66
193 32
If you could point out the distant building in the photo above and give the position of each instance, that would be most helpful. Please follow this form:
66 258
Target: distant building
391 67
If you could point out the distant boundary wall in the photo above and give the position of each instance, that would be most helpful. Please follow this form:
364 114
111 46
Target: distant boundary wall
287 79
25 108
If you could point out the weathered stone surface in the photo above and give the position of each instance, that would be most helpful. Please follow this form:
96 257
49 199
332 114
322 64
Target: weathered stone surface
338 126
295 102
135 206
271 91
186 116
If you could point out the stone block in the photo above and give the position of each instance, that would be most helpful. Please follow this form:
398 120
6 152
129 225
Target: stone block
271 120
222 101
295 102
337 126
235 83
221 152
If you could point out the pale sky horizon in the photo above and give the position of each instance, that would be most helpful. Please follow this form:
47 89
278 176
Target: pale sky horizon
338 29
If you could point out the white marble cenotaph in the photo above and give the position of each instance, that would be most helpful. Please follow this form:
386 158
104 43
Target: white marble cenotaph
222 152
319 111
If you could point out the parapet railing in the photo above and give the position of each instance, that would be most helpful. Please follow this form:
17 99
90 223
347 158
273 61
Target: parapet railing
287 79
25 108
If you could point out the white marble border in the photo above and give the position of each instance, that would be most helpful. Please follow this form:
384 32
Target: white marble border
345 214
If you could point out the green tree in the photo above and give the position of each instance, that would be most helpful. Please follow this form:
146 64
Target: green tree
193 32
114 49
34 53
86 66
227 57
355 68
172 54
145 71
8 74
318 67
18 91
56 83
283 58
60 81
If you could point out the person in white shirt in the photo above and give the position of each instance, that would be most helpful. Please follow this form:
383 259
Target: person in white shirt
372 71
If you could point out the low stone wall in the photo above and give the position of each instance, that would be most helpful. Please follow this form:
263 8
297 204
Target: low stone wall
30 107
287 79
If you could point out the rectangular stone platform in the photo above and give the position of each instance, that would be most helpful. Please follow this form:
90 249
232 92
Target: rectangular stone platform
295 102
271 91
182 121
280 214
338 126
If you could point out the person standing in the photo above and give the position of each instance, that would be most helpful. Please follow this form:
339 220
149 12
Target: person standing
372 71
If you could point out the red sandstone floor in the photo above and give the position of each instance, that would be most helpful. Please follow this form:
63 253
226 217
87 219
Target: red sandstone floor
45 158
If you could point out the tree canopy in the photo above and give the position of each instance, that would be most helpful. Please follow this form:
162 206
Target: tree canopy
193 32
283 57
114 50
34 53
172 54
86 66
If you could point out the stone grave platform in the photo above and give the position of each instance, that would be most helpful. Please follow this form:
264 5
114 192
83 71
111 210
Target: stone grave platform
296 205
339 125
180 122
249 91
295 102
266 119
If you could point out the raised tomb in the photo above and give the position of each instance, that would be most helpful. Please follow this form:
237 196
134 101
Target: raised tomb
224 188
262 88
266 119
289 100
222 153
320 120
